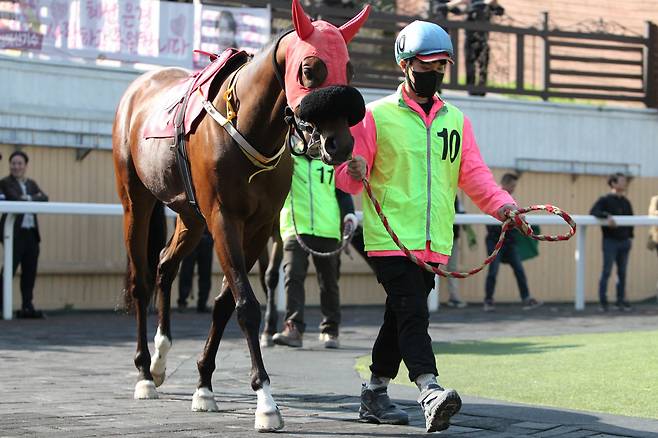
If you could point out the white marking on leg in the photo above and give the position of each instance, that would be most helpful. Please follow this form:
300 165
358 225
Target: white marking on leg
159 359
203 400
145 389
268 416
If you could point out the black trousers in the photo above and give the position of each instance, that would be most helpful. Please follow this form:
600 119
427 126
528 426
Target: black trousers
201 256
295 267
26 254
403 336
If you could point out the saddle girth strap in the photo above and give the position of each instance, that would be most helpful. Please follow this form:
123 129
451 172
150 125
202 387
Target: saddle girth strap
181 152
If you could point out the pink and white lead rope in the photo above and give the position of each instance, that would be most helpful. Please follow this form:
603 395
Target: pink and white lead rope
513 218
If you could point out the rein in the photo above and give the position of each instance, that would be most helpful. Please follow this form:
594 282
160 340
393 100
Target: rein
350 222
513 219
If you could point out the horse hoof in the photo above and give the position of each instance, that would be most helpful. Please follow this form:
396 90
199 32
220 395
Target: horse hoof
266 340
158 379
145 389
268 421
203 400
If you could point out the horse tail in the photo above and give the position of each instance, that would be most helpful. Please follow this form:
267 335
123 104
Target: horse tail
157 239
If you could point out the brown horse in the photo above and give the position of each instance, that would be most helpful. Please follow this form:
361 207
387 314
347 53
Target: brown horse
238 203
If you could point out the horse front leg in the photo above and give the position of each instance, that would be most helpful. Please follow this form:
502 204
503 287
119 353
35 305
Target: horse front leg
229 237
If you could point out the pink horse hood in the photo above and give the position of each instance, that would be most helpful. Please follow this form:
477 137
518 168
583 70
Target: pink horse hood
323 40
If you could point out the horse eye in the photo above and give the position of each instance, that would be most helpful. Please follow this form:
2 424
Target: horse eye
312 72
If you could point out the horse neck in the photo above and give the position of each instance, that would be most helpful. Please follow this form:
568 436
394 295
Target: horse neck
262 101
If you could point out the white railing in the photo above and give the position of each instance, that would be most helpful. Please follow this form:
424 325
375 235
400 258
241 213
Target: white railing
74 208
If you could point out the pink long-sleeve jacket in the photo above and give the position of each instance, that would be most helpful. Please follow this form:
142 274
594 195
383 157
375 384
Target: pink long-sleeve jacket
475 178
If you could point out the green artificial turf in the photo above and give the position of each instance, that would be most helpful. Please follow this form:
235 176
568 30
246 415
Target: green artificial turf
615 373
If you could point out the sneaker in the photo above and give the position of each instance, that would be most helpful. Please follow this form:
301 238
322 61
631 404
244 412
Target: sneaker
603 308
623 306
266 340
376 407
329 340
531 303
456 304
439 405
203 309
182 307
489 306
289 336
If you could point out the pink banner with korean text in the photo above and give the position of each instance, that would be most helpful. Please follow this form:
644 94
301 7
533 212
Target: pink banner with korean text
125 31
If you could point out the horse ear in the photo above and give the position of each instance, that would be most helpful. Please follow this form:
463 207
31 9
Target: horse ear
300 21
349 29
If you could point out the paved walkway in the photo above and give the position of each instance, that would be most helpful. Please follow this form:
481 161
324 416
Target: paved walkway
72 376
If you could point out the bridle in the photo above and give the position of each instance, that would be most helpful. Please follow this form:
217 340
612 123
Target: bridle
296 126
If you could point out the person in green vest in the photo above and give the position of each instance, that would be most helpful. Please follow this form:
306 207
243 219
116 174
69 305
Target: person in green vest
416 149
312 199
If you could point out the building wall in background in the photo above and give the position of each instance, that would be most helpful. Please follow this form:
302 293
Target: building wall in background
83 259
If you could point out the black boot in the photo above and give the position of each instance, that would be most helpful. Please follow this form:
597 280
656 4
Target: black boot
376 407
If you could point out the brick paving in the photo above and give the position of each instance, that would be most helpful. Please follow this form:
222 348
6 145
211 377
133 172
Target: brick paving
72 376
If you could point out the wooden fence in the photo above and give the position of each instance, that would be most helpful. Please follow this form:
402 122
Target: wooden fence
539 61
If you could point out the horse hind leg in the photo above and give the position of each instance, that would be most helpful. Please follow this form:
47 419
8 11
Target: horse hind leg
186 236
137 214
203 399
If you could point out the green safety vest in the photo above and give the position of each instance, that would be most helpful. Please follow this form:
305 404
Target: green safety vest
414 176
316 208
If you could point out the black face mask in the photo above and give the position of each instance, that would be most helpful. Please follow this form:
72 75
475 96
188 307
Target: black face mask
425 84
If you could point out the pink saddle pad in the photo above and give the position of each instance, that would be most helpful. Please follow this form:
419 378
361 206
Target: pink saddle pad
161 121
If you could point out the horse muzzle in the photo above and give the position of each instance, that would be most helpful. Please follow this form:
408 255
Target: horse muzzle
331 111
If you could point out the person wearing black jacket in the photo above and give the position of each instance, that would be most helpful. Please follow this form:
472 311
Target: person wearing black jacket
476 43
16 187
508 254
616 240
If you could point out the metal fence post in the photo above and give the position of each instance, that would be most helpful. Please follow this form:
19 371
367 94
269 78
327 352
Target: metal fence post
547 58
7 279
580 267
651 66
433 297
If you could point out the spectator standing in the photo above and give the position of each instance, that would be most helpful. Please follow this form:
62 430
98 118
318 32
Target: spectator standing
508 254
417 190
476 44
17 187
454 300
202 257
616 240
441 8
312 200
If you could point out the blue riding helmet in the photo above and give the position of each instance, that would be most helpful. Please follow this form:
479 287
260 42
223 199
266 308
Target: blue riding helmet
421 39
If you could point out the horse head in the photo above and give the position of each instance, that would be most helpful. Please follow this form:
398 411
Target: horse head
317 76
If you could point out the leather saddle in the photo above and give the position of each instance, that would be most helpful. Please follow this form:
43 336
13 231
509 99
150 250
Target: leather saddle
180 106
